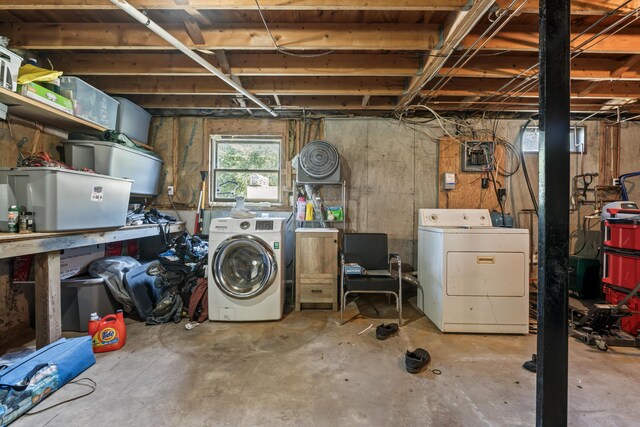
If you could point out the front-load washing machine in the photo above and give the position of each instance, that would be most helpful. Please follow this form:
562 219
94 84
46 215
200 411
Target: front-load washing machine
246 275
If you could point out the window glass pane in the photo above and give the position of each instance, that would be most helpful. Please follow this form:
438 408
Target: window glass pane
243 155
252 185
530 140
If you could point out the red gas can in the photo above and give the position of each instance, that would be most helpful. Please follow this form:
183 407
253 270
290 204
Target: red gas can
108 333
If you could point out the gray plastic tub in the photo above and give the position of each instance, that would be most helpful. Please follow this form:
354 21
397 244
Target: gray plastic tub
90 103
133 120
110 158
80 296
64 200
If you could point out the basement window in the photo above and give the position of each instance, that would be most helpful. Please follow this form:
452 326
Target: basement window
531 139
248 166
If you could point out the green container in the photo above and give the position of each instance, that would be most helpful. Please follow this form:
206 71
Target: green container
13 217
584 277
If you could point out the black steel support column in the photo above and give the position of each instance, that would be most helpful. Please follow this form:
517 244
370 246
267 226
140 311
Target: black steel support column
553 232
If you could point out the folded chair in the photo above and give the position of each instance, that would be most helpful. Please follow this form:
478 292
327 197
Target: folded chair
370 251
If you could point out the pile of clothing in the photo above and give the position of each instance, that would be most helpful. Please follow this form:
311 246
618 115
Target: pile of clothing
159 290
139 216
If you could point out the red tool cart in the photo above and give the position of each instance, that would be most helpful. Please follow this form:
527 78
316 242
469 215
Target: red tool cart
621 271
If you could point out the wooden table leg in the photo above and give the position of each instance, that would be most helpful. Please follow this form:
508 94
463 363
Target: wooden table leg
48 312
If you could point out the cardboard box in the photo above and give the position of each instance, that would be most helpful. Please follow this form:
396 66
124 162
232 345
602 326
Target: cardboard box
76 261
44 95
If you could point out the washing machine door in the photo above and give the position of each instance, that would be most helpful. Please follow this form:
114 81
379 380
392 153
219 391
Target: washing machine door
244 266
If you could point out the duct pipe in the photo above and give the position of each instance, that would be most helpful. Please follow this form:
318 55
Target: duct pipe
161 32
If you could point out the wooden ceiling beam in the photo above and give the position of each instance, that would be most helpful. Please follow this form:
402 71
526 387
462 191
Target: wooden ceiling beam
345 103
489 87
578 7
241 64
299 37
526 39
582 7
583 67
356 86
410 5
290 102
295 37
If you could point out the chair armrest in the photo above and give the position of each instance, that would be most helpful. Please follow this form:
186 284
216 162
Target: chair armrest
398 260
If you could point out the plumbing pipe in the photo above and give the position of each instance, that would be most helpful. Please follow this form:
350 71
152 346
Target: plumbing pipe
142 18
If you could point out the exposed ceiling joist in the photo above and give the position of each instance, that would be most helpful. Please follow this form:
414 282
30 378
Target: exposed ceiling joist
526 39
582 7
578 7
228 37
357 86
418 5
226 102
177 102
489 87
241 64
583 67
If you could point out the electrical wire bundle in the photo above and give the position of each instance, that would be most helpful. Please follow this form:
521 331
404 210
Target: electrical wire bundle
42 159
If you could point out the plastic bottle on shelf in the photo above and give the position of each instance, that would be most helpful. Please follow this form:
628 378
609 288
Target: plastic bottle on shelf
13 219
301 207
309 212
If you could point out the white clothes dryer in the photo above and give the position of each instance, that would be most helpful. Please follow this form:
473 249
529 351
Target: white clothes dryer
245 273
473 277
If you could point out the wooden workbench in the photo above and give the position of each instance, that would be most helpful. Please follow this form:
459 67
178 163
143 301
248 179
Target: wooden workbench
47 247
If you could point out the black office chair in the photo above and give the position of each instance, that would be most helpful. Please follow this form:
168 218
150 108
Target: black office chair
369 250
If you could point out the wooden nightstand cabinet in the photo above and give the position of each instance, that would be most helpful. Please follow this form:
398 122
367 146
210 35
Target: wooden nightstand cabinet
317 266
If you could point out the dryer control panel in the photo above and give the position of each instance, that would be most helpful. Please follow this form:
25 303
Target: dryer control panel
454 217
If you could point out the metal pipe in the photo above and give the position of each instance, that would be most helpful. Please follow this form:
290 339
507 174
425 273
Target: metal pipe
142 18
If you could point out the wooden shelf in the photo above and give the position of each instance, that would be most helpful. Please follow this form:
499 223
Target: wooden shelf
30 109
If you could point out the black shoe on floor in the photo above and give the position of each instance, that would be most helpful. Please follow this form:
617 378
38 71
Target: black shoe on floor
385 331
416 360
531 365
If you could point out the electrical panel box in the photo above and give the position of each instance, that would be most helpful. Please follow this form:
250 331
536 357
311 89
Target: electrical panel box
448 181
477 156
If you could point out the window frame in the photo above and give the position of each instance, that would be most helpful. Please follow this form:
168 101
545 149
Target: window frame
573 129
215 139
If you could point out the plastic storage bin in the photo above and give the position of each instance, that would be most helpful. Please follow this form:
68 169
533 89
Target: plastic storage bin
81 296
63 199
629 324
90 103
9 67
584 277
623 234
110 158
622 269
133 120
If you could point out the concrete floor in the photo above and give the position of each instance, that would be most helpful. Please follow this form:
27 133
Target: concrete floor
307 370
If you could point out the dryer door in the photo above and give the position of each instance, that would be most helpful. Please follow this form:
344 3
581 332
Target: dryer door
243 266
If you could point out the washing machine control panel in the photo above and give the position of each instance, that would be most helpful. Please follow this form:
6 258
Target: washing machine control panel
245 225
264 225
